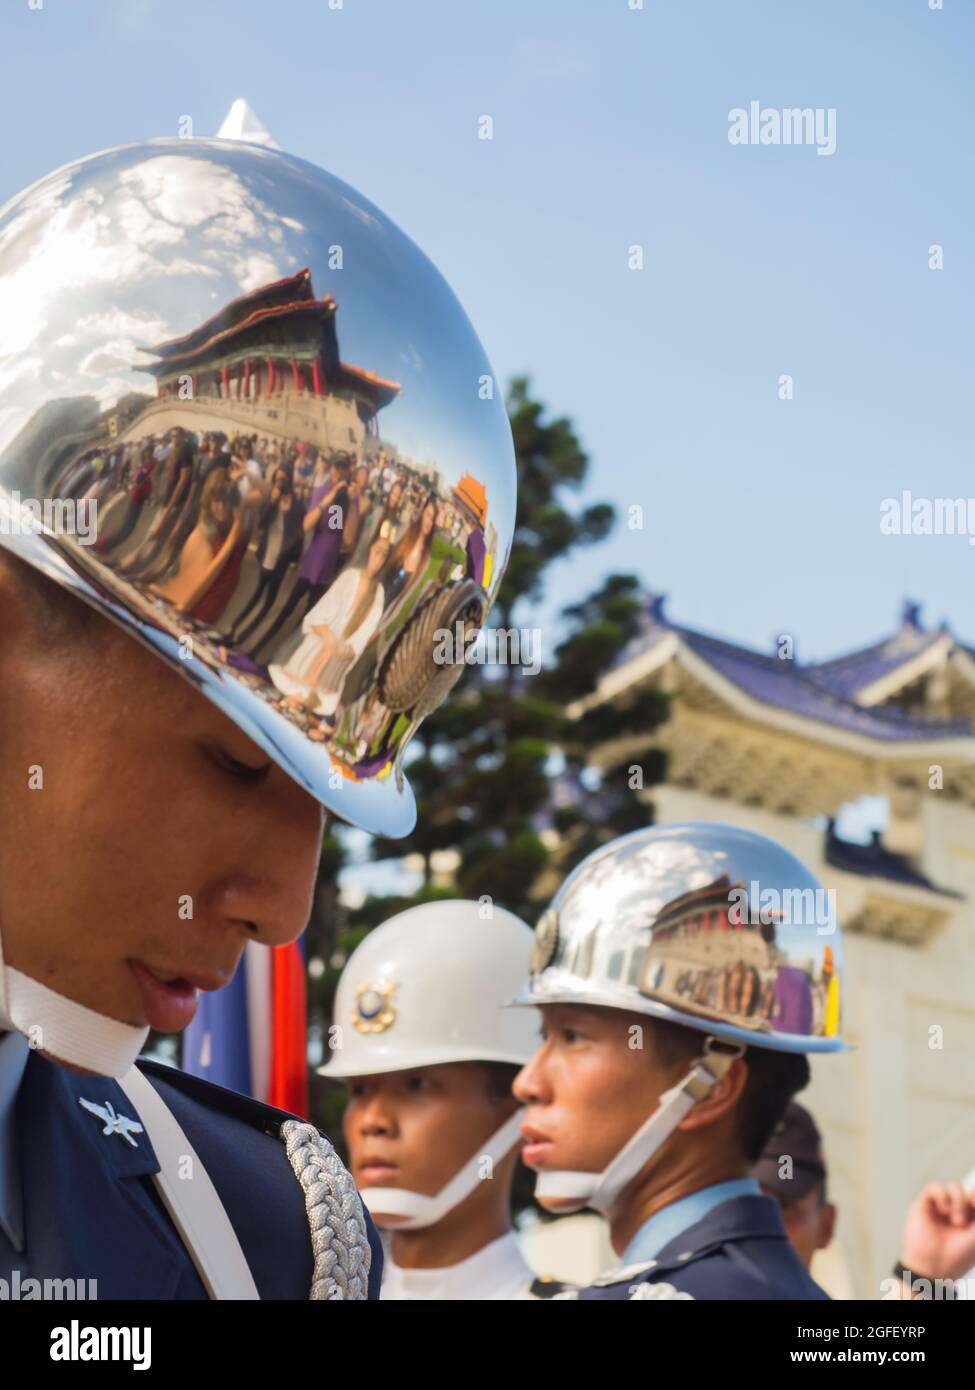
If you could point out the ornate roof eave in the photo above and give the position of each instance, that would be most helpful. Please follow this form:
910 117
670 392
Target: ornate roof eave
883 908
886 686
961 747
630 674
671 647
290 288
963 663
316 310
373 378
381 389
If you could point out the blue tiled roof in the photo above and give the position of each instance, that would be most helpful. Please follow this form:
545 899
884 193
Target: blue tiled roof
855 671
876 861
801 690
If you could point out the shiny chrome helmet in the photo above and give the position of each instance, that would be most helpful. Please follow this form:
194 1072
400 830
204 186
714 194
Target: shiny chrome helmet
245 417
706 925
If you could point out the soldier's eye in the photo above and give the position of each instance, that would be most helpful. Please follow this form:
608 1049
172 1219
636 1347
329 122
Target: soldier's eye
247 772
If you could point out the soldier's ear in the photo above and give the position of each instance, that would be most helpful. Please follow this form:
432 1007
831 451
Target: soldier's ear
827 1224
722 1099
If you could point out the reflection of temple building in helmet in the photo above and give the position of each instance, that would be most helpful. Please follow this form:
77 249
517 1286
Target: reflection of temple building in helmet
268 363
706 958
693 933
698 930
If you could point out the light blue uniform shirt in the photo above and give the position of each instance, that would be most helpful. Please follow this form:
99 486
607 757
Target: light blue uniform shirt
14 1051
666 1225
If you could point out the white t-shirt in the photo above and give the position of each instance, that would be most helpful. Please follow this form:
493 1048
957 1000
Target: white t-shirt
251 476
498 1271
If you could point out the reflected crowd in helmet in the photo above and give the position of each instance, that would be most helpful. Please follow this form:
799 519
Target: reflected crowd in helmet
252 540
315 566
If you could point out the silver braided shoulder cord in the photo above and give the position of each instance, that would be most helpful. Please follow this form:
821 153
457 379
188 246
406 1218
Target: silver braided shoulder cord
335 1216
639 1293
667 1291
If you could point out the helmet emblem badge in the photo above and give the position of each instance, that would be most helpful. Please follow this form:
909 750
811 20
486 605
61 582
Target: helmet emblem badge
374 1011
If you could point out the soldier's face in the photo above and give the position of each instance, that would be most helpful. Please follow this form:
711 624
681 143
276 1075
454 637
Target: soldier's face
587 1089
416 1129
144 835
809 1223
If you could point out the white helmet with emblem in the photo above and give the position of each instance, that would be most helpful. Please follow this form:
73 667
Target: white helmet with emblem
429 987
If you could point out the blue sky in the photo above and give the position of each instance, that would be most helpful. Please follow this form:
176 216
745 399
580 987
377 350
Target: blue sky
610 129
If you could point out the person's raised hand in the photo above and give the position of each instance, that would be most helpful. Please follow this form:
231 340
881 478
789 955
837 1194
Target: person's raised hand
939 1232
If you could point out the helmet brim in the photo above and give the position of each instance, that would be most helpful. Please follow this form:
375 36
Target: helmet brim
375 805
383 1065
714 1027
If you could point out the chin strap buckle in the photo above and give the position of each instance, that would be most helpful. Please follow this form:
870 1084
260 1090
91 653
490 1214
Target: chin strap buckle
708 1070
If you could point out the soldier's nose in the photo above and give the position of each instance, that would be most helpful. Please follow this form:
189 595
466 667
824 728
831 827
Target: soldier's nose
376 1120
530 1086
272 911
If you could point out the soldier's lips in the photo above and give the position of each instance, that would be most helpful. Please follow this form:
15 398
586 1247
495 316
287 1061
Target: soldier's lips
168 1004
536 1147
374 1171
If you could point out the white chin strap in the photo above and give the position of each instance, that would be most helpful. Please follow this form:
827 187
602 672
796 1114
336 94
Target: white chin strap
572 1191
410 1211
64 1030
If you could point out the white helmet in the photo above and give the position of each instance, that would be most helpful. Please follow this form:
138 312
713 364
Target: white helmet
428 987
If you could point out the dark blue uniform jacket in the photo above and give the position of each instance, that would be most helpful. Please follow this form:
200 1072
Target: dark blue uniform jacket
739 1250
91 1210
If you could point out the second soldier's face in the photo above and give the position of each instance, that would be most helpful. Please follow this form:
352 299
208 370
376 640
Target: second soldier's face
587 1089
416 1129
145 838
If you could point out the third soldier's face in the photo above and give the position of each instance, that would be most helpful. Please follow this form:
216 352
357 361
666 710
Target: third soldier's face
416 1129
146 839
809 1223
587 1089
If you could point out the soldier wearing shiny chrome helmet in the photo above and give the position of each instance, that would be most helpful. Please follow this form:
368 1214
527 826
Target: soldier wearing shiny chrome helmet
424 1039
202 345
682 972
